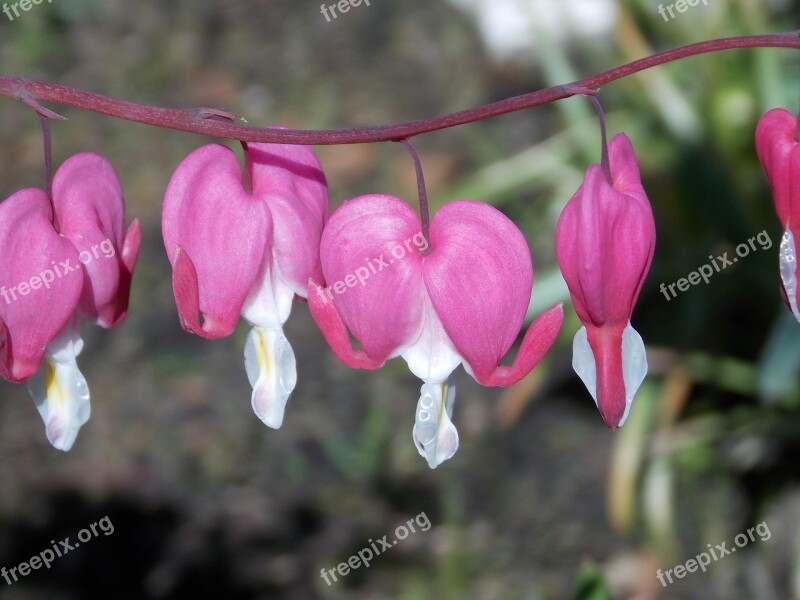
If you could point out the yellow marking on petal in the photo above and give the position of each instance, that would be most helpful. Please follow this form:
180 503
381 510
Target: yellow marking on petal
262 353
55 390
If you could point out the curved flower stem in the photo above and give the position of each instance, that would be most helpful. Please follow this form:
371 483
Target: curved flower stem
247 172
44 118
424 214
48 159
601 117
201 121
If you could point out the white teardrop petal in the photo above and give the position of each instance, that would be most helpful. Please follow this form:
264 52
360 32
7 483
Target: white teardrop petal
61 396
59 389
634 366
583 361
788 268
435 436
272 370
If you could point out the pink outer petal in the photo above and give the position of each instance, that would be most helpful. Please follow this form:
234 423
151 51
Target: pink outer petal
223 232
290 179
624 168
538 340
90 212
479 277
605 239
384 312
184 286
30 252
779 154
606 344
335 331
87 197
5 353
128 257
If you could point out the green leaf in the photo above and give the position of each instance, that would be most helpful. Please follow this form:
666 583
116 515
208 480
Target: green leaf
590 585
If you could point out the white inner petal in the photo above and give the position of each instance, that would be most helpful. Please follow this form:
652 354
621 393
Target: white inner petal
59 390
272 371
270 300
583 362
432 357
788 267
435 436
634 364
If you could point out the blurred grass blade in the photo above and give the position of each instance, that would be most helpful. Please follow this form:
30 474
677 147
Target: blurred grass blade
659 508
628 453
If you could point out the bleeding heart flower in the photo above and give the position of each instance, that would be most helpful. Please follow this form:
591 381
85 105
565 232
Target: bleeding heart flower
39 292
246 245
459 297
605 240
89 213
778 150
